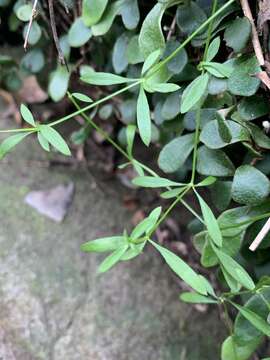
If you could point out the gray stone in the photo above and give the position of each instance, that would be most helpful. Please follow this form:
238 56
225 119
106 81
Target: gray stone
53 305
53 203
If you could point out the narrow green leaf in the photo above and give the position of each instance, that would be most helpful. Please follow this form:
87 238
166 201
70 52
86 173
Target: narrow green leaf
218 70
254 319
174 154
102 78
235 270
143 117
55 139
207 181
155 214
130 134
133 251
27 115
213 49
233 284
210 222
194 92
154 182
183 270
82 97
43 142
172 193
165 87
104 244
112 259
9 143
194 298
146 224
151 60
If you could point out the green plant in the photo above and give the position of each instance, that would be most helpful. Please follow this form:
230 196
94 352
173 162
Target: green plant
216 121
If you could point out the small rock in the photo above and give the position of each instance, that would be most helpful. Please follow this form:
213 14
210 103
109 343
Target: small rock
53 203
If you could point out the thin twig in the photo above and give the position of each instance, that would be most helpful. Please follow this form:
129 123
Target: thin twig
259 238
255 38
33 14
55 35
172 28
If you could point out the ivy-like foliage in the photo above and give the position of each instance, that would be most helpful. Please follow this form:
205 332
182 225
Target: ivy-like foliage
207 115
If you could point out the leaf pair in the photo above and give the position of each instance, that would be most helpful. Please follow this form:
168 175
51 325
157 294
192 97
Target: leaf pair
124 247
48 135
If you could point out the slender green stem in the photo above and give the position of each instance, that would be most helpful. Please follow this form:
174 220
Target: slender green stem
198 111
94 104
196 143
210 28
192 211
18 130
170 208
98 129
192 36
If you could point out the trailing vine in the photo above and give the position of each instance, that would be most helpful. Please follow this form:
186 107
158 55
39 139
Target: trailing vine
219 239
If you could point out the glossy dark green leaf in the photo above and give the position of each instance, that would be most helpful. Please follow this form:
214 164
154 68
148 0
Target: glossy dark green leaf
214 162
58 83
257 321
250 186
92 11
253 107
34 34
242 81
175 153
237 34
178 62
223 129
231 350
213 138
33 61
189 17
119 58
221 193
79 33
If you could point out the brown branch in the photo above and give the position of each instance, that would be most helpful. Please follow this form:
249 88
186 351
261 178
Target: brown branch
255 38
55 35
33 14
